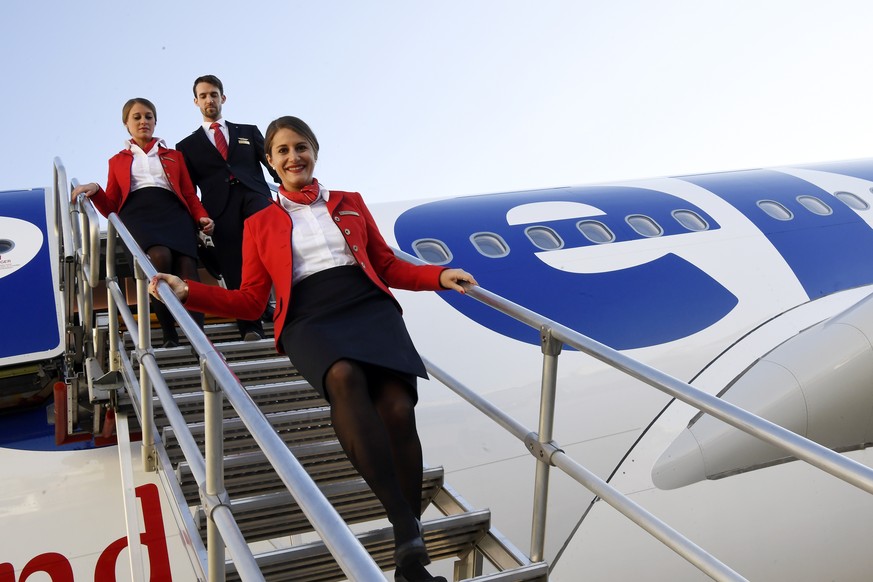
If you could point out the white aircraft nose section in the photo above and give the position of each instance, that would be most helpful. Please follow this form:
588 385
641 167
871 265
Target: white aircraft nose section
817 385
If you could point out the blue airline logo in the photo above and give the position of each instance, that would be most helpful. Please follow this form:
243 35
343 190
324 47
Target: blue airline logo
637 305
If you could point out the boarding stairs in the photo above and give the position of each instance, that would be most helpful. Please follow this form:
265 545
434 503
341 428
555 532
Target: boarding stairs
268 516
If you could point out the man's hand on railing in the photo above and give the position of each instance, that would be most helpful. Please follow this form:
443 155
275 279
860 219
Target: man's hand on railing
179 287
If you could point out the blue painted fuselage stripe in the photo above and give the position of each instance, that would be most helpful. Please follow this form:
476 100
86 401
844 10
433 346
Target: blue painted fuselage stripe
826 253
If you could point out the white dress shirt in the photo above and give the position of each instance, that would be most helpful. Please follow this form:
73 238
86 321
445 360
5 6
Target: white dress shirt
147 169
316 242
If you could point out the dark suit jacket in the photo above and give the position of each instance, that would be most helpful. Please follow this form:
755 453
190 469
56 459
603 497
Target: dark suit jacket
267 262
211 173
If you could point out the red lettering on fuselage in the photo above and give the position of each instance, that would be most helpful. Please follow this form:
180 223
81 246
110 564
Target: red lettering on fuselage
59 569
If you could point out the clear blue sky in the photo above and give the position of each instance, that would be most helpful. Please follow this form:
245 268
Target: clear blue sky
414 99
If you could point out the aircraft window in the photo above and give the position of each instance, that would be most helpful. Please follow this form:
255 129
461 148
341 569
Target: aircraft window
490 245
596 232
815 205
432 251
775 210
544 238
852 200
644 225
690 220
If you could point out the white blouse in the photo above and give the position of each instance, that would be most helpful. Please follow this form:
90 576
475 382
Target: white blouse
147 169
316 241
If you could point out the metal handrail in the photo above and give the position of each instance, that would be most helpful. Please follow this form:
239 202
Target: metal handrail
684 547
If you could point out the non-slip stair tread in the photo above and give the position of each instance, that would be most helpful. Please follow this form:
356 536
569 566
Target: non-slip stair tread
538 572
446 537
299 426
271 397
250 473
277 514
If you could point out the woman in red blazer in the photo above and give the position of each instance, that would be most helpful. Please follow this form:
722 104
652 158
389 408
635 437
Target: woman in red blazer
150 190
343 330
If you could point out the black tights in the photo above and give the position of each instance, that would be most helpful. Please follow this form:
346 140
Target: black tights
373 416
165 260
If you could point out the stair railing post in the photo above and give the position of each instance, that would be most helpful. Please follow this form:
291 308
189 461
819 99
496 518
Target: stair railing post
111 307
215 494
551 349
149 459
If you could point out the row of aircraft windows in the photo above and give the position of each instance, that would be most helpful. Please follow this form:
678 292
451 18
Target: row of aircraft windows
544 238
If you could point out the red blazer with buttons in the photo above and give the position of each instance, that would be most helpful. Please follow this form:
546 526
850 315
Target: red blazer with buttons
118 183
267 262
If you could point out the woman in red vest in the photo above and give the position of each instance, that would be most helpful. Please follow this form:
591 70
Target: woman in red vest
150 190
341 326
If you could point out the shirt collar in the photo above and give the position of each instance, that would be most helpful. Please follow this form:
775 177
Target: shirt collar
129 145
207 125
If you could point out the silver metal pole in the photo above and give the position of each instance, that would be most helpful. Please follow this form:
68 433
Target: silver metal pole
214 448
149 459
112 304
551 350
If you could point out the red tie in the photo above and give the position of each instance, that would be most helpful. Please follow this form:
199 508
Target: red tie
220 142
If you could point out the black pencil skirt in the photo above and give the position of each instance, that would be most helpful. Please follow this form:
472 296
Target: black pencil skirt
340 314
155 216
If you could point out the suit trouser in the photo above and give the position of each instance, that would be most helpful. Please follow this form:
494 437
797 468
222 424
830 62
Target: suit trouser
227 237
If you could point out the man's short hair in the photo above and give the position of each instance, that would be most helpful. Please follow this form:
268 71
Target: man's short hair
212 80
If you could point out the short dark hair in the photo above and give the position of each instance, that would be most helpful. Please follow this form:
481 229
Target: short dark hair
211 79
125 111
296 125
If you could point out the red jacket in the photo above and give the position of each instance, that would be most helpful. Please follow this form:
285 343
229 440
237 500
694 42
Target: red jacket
118 183
267 262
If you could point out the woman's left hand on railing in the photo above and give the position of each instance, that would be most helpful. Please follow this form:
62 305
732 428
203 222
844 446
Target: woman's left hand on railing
179 287
87 189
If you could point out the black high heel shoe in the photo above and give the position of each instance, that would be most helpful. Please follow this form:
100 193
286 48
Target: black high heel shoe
412 550
410 554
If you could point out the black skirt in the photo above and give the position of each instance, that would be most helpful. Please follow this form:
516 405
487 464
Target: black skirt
155 216
340 314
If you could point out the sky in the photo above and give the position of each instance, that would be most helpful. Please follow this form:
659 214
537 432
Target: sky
412 99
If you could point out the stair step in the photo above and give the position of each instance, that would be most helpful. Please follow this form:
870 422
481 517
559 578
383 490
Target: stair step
446 537
538 572
186 378
298 426
277 514
249 474
216 332
273 397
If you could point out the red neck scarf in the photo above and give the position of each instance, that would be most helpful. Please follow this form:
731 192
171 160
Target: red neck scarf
149 145
306 196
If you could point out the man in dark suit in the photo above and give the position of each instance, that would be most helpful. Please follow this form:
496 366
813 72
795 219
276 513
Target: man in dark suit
225 161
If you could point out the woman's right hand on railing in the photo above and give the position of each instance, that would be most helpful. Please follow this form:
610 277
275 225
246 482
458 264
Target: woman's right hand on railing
87 189
179 287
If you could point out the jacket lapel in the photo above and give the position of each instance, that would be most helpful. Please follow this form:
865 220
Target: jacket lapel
206 145
232 138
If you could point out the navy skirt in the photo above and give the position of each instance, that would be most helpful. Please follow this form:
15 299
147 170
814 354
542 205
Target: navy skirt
340 314
156 216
